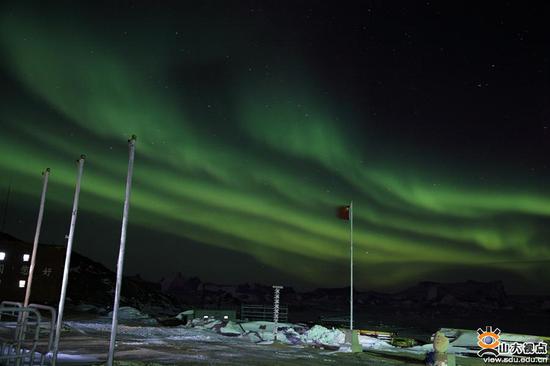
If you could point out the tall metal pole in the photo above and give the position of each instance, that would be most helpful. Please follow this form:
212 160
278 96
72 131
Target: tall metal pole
46 175
120 264
351 266
67 260
277 290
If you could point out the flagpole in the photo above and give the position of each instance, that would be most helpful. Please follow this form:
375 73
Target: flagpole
67 261
351 266
46 175
120 264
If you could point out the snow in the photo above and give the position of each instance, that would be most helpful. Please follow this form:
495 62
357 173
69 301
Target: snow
373 343
127 313
230 343
64 357
323 336
184 314
86 342
263 332
231 329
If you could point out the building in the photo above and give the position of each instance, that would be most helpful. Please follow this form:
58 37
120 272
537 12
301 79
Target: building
15 259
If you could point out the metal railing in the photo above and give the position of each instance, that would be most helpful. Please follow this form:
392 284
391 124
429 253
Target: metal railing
47 330
24 333
263 313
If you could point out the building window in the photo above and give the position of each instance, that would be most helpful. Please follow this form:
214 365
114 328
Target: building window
2 256
26 257
22 283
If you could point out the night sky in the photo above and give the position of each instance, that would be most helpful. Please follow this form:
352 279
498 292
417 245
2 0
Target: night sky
256 120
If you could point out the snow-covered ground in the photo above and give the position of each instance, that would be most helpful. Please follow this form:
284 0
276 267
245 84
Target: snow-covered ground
86 342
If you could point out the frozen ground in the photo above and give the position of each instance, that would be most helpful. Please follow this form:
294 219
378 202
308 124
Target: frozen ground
86 343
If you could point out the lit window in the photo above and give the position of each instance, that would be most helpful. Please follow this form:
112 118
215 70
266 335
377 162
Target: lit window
22 283
2 256
26 257
225 317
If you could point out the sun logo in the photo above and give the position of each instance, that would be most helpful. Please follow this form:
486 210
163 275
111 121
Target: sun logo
488 340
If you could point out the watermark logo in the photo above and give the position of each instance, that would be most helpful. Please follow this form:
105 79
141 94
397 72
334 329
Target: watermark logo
489 341
494 350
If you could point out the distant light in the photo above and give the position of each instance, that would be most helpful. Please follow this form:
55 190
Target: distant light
225 317
26 257
205 317
22 283
2 256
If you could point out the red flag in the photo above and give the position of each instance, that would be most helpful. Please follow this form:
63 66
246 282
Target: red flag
343 212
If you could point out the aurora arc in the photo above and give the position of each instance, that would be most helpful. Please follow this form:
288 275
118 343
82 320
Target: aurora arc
250 159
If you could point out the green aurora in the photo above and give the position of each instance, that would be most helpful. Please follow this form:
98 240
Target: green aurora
241 151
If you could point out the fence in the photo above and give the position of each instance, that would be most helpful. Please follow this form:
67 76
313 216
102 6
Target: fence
24 334
263 312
